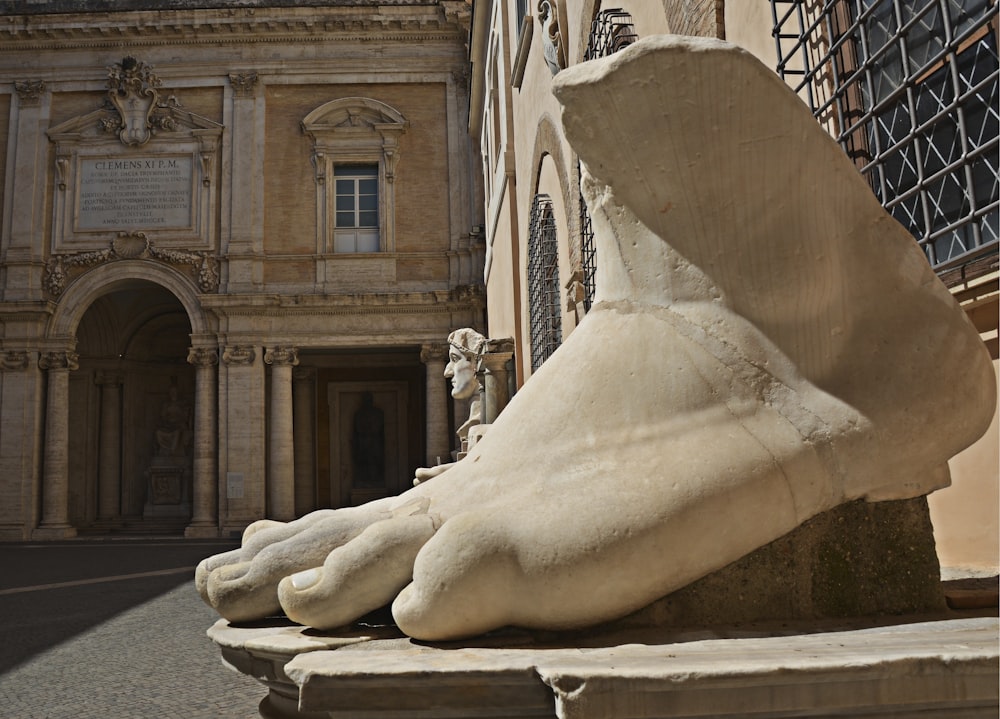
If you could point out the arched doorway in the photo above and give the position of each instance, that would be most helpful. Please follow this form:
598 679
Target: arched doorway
131 413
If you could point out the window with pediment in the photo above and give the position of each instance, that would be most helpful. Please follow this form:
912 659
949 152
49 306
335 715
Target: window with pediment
355 155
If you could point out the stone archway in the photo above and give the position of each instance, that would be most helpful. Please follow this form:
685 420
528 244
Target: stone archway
131 398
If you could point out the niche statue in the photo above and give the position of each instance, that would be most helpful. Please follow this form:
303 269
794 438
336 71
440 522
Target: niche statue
767 343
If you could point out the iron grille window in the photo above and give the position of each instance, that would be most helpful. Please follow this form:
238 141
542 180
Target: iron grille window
611 31
543 282
910 90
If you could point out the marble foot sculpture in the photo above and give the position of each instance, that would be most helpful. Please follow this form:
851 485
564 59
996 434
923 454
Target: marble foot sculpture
767 344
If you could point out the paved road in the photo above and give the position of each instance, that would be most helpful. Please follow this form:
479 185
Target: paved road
112 630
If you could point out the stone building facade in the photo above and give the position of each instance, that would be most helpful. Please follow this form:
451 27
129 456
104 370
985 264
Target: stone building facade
540 263
234 237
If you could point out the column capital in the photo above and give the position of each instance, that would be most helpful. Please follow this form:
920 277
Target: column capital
29 92
203 356
239 355
433 353
244 83
281 356
304 374
63 359
14 360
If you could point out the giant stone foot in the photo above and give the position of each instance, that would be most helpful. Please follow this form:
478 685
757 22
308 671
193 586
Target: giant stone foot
767 344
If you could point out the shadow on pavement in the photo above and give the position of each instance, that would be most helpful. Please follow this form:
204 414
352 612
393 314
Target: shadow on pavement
52 592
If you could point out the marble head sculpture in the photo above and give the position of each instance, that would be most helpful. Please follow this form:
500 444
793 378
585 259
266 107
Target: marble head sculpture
767 344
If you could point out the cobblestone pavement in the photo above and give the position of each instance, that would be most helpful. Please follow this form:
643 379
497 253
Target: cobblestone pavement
150 659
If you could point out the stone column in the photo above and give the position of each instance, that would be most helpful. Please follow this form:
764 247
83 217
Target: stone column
55 457
204 520
495 377
109 490
303 392
281 474
438 442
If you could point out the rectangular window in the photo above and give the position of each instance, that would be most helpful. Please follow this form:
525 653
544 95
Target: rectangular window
356 227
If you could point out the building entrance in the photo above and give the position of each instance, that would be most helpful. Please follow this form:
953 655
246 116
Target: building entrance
131 413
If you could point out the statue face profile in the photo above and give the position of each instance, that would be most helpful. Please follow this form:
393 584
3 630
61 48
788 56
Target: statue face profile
462 373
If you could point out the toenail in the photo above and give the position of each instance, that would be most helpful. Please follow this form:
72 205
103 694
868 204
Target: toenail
304 580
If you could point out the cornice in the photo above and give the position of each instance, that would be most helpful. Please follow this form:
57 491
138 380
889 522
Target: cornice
403 23
460 299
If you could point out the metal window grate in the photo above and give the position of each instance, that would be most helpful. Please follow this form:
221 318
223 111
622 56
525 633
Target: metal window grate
588 252
910 90
543 282
611 31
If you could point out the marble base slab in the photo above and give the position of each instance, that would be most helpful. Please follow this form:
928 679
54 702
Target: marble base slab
922 669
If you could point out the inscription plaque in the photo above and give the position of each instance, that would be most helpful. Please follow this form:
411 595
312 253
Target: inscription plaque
135 192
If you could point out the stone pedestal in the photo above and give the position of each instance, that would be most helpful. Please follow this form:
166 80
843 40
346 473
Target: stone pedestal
935 668
759 647
168 491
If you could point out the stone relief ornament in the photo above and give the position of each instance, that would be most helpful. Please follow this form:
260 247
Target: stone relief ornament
244 83
239 355
13 360
766 344
61 359
132 90
203 356
129 246
139 111
29 92
552 47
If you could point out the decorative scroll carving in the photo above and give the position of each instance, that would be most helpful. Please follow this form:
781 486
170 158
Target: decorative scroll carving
132 91
281 356
13 360
129 246
552 47
203 356
133 95
244 83
63 359
239 355
29 92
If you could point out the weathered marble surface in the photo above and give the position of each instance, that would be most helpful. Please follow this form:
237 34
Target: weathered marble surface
935 668
767 345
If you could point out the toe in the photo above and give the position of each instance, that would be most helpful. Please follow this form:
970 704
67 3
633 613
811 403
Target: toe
359 577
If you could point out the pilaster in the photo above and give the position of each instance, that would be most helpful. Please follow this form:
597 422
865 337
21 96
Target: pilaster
281 474
242 436
22 393
246 209
24 201
303 401
109 447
